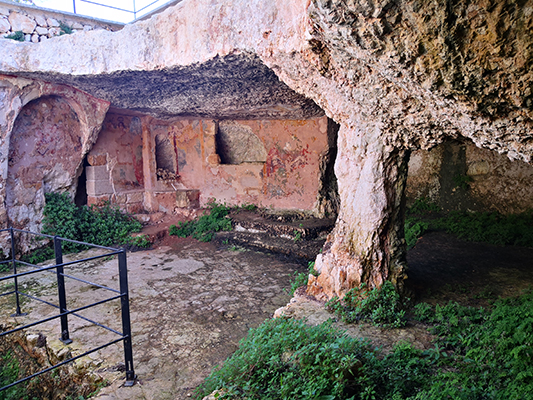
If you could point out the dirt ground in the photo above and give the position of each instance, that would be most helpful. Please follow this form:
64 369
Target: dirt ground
192 302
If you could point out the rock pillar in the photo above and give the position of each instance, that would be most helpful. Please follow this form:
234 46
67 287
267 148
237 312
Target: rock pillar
367 244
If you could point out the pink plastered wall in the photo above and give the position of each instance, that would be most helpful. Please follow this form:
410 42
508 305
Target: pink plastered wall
285 175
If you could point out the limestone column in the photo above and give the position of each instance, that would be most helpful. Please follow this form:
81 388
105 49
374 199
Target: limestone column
367 244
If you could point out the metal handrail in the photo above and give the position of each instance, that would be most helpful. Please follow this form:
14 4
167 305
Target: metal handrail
64 312
134 11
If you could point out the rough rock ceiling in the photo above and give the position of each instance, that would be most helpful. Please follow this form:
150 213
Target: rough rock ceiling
233 87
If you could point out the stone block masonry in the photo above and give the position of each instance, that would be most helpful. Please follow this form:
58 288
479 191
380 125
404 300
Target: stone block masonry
39 24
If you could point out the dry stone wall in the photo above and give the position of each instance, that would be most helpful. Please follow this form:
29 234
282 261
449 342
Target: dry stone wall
39 24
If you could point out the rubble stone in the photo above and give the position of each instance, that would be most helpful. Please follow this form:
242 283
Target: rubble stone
20 22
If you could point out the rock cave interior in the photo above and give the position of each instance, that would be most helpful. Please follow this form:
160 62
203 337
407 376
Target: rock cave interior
349 110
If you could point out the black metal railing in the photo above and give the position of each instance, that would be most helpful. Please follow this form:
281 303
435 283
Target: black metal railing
134 10
64 312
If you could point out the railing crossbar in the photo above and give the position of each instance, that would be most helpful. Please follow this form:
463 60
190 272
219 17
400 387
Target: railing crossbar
145 7
98 324
38 299
75 314
58 316
54 266
63 363
62 239
58 268
113 253
91 283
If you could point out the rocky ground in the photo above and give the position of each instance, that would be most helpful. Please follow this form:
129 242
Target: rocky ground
192 302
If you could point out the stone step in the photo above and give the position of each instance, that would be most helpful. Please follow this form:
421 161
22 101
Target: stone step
304 250
288 226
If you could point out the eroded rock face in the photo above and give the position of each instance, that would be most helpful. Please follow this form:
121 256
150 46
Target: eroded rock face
43 152
396 76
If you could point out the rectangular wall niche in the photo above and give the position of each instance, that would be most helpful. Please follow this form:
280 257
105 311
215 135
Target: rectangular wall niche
165 158
237 144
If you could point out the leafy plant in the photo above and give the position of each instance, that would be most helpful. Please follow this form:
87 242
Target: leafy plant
301 278
141 241
423 205
18 36
488 227
380 306
479 354
414 230
205 227
105 226
286 359
9 373
65 29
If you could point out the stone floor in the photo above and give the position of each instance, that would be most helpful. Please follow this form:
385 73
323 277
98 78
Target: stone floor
191 303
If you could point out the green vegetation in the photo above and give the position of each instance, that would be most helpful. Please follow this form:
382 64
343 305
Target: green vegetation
478 355
9 373
301 278
65 29
463 181
205 227
286 359
489 227
18 36
105 226
379 306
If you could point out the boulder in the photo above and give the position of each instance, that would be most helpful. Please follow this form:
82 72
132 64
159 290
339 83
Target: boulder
20 22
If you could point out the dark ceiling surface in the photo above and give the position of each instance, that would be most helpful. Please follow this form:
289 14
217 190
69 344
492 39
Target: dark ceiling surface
233 87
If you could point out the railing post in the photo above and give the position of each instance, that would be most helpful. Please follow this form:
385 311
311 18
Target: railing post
74 5
126 322
65 336
18 312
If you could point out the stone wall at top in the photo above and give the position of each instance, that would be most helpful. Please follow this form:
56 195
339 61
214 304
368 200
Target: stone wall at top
39 24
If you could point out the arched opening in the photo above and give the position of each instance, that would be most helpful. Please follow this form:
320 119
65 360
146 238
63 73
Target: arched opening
44 156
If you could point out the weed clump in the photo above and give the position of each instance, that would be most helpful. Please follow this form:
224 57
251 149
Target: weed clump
17 36
379 306
479 354
104 226
205 227
301 279
286 359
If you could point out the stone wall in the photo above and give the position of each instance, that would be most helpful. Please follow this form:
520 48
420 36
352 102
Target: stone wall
39 24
